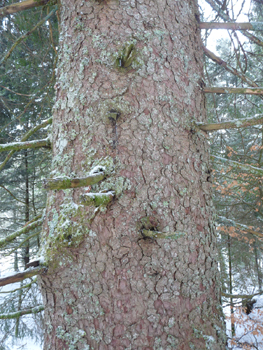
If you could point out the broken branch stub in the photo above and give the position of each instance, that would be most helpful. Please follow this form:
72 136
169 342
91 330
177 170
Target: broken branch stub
158 234
96 199
64 183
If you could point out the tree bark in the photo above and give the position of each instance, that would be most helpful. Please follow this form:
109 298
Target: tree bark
127 92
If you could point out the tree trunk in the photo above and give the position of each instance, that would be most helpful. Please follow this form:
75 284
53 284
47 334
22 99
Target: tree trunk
230 274
26 246
128 89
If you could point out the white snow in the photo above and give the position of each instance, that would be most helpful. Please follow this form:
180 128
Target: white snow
248 328
97 169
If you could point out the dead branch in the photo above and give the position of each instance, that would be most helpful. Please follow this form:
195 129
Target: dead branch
20 313
227 90
256 26
16 146
231 124
22 276
62 183
21 6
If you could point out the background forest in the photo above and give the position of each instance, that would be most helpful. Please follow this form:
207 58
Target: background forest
28 48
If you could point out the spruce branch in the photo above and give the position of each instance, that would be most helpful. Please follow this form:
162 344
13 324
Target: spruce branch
20 313
21 6
29 226
23 242
16 146
12 195
241 226
229 90
256 26
16 93
64 183
23 37
226 18
231 124
28 285
97 199
240 296
22 276
25 137
36 128
230 69
158 234
249 168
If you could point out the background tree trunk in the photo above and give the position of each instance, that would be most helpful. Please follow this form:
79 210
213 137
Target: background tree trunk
128 88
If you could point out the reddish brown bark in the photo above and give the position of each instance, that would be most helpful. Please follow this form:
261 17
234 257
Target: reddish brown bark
129 78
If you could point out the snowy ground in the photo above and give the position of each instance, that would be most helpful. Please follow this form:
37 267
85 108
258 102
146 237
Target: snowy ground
26 344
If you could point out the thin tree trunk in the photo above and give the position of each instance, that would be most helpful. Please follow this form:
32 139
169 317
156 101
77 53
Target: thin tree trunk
230 276
27 214
258 259
127 91
18 306
258 268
